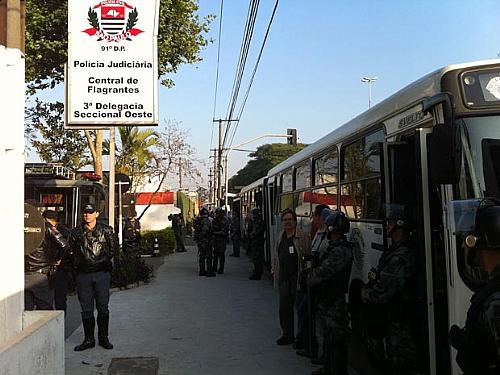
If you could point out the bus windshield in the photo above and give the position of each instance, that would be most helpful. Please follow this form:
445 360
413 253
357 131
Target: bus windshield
480 138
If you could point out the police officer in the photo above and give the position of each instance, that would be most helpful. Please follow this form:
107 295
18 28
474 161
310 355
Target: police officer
40 265
220 231
478 343
131 234
235 234
94 244
329 281
389 289
256 231
177 227
203 237
63 278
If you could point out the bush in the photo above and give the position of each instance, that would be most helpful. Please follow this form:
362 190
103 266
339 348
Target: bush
166 240
129 269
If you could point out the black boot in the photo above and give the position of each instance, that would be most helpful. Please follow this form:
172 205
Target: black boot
202 269
102 331
88 329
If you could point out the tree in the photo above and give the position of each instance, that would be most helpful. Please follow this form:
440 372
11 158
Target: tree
265 157
181 36
174 155
135 154
52 142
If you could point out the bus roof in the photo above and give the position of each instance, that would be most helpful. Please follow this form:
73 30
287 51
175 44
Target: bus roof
426 86
253 185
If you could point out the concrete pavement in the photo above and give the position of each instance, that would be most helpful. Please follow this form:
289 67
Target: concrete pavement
193 325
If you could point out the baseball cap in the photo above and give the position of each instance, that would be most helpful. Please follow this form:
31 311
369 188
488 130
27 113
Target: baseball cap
89 208
49 214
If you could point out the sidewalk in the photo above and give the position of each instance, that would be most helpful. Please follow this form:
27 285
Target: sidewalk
194 325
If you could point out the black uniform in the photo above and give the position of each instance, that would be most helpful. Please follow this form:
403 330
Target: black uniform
131 235
478 343
203 237
179 239
220 231
93 251
256 231
235 234
63 278
329 282
39 266
390 290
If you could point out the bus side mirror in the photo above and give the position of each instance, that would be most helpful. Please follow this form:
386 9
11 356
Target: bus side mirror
445 154
445 146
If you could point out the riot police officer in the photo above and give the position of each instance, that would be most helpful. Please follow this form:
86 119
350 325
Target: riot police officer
478 343
389 290
177 227
256 231
203 237
220 231
329 281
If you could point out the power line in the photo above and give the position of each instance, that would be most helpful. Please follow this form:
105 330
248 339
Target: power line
244 49
254 72
217 73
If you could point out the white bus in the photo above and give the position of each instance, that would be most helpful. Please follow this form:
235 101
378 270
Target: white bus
436 140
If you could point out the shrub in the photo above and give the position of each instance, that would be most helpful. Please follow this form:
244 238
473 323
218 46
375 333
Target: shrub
166 240
129 269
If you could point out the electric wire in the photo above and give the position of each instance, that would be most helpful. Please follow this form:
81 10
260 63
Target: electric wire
245 47
253 73
216 77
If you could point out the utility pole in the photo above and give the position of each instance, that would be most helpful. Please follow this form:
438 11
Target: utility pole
218 161
180 173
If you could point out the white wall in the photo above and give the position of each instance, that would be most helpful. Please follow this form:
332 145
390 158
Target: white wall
156 217
12 191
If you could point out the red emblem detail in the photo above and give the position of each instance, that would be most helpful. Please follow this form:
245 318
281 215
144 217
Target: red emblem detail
115 21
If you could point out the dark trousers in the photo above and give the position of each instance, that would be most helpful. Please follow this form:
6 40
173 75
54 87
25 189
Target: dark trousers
37 292
93 287
236 246
258 259
62 282
179 241
219 255
205 256
302 307
288 293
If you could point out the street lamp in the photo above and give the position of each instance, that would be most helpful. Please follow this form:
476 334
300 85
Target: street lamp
369 81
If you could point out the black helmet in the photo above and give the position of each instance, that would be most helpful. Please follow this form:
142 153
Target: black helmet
218 211
203 212
488 227
396 213
337 222
256 212
476 221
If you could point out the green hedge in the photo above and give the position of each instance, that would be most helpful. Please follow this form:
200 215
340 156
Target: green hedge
129 269
166 240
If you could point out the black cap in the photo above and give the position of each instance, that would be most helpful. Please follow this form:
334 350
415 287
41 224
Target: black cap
49 214
89 208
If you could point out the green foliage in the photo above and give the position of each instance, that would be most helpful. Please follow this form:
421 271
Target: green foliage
265 157
129 269
166 240
54 144
181 37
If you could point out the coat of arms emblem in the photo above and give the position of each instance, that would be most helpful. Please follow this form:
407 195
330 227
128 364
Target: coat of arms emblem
113 21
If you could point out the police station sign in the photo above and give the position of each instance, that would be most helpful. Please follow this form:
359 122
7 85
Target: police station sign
112 71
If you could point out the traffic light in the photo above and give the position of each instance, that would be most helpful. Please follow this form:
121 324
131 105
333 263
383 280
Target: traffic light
292 137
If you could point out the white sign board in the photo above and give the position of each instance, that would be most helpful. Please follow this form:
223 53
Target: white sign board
112 71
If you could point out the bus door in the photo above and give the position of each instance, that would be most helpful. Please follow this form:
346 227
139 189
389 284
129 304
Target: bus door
407 182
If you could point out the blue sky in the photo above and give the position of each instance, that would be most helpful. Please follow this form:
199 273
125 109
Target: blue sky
316 54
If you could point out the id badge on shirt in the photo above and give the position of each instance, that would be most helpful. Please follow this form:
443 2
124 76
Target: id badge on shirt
291 250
